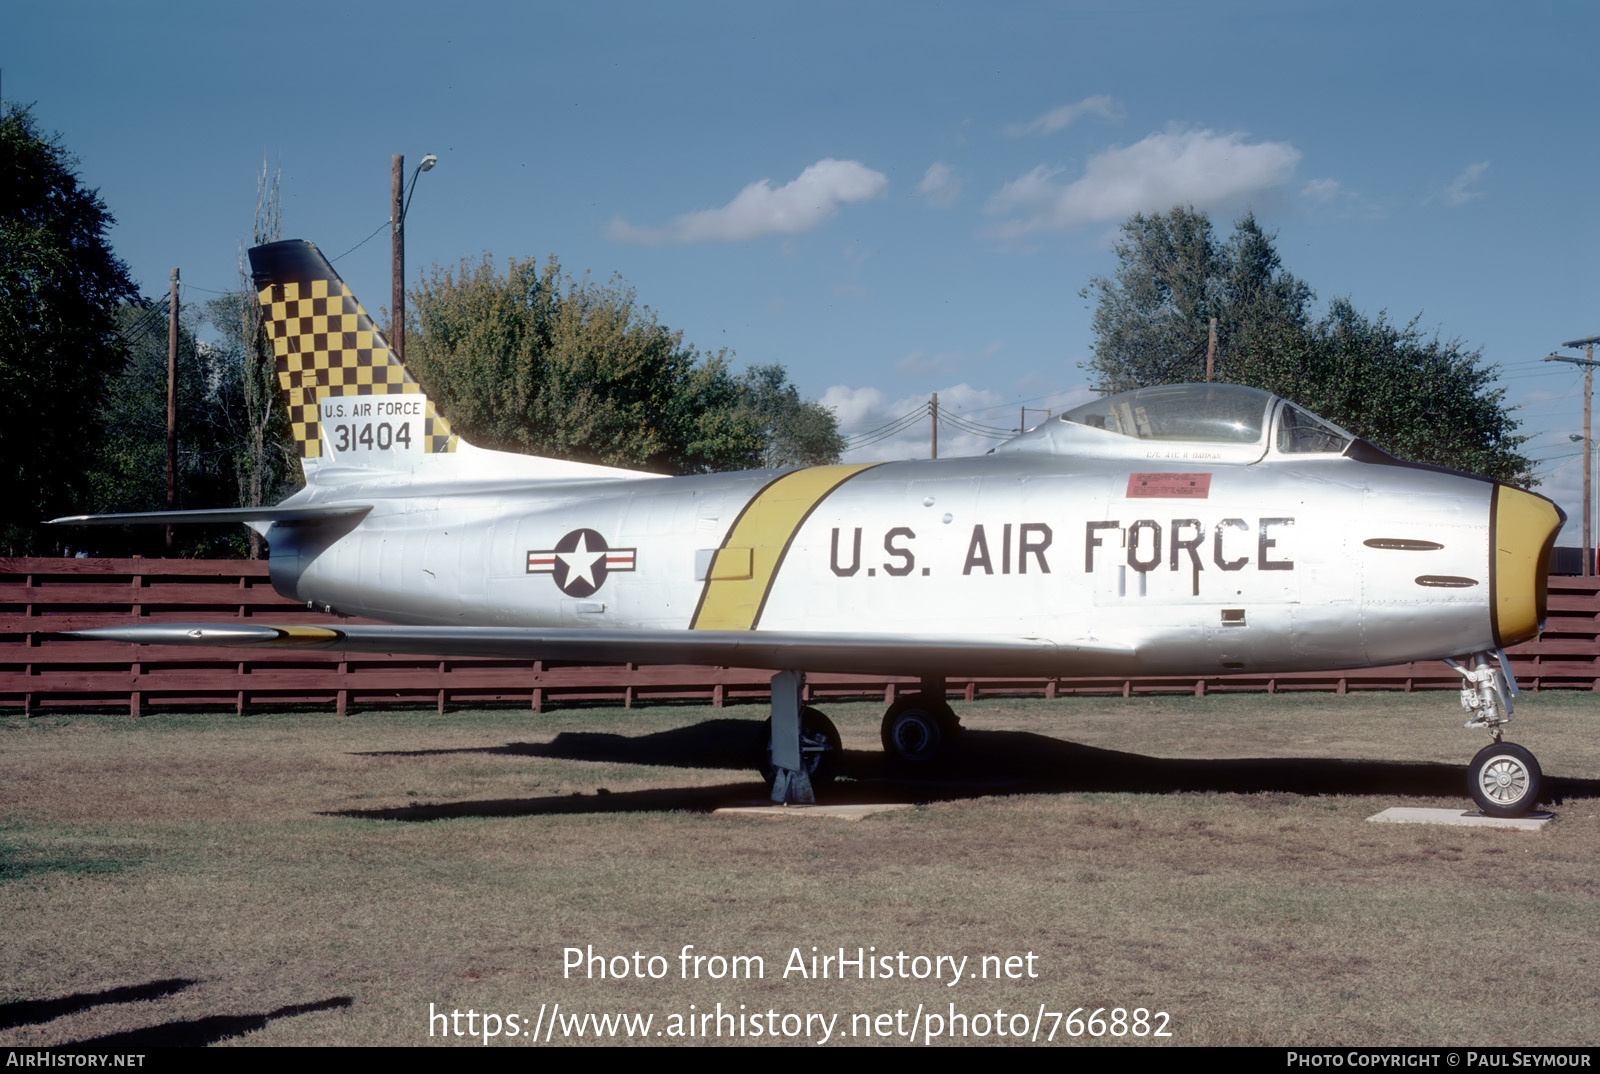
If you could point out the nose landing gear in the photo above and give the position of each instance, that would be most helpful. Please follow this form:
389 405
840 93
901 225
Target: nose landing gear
1504 779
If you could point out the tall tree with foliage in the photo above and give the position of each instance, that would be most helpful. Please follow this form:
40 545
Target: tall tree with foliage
1417 397
60 289
533 360
798 432
265 461
130 471
1152 317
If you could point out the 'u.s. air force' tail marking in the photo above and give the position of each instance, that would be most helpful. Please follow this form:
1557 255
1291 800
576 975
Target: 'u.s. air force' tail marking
327 347
742 571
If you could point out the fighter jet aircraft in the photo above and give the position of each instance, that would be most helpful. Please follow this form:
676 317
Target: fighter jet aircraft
1192 529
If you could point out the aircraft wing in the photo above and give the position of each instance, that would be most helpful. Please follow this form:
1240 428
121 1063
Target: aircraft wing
869 654
220 515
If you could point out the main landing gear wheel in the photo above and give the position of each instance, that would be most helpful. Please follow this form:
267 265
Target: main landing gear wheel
1504 780
819 748
919 732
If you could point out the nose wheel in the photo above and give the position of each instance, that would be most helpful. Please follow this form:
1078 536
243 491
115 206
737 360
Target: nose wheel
1505 780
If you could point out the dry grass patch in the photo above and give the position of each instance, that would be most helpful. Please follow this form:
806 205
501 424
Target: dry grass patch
1151 852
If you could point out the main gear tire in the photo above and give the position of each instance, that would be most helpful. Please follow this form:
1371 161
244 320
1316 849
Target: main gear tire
919 733
820 747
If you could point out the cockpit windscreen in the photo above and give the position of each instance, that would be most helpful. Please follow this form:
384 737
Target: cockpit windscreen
1301 432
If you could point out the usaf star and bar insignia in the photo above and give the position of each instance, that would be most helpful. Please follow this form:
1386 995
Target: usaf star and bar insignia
580 562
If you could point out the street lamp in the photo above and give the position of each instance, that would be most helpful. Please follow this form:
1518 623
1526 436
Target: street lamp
397 218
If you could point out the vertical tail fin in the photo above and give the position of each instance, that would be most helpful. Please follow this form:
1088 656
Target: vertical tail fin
351 403
338 378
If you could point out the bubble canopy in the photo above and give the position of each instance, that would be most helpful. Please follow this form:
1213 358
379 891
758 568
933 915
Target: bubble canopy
1209 414
1205 413
1221 422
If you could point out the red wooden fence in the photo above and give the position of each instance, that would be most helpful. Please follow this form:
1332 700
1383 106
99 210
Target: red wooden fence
41 596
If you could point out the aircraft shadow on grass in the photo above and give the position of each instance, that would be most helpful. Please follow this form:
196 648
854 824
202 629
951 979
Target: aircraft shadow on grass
199 1032
195 1032
986 763
29 1012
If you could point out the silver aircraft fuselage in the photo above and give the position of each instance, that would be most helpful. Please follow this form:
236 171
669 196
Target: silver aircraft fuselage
1170 559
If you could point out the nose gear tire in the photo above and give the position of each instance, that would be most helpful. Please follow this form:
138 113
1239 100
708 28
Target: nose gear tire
1504 780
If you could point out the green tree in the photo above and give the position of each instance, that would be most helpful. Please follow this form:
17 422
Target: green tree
130 471
1417 397
60 289
266 462
798 432
1152 316
262 459
533 360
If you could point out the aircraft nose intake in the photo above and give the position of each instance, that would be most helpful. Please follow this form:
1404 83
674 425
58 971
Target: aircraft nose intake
1522 531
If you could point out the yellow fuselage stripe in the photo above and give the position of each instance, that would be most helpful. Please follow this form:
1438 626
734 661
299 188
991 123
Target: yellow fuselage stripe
765 527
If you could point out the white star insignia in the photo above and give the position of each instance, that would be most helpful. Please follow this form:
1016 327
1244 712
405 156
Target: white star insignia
581 562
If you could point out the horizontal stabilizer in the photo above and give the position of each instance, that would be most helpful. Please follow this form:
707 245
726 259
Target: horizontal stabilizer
221 515
866 654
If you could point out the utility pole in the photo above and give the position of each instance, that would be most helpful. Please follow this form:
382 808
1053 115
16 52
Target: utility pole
397 259
1211 352
172 403
400 201
933 408
1588 363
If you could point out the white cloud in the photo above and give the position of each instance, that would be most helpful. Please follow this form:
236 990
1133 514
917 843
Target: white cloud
1100 105
1459 192
923 362
1333 200
1323 190
760 209
939 185
1174 167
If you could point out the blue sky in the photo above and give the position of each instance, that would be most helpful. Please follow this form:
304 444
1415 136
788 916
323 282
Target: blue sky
890 199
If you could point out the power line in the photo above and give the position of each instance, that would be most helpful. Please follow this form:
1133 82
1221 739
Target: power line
884 434
976 430
363 242
918 410
979 426
135 333
903 419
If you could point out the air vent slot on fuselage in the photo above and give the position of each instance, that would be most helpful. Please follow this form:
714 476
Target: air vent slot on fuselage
1446 581
1402 544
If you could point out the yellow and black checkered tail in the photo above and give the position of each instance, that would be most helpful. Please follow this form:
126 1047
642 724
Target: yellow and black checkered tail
327 347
